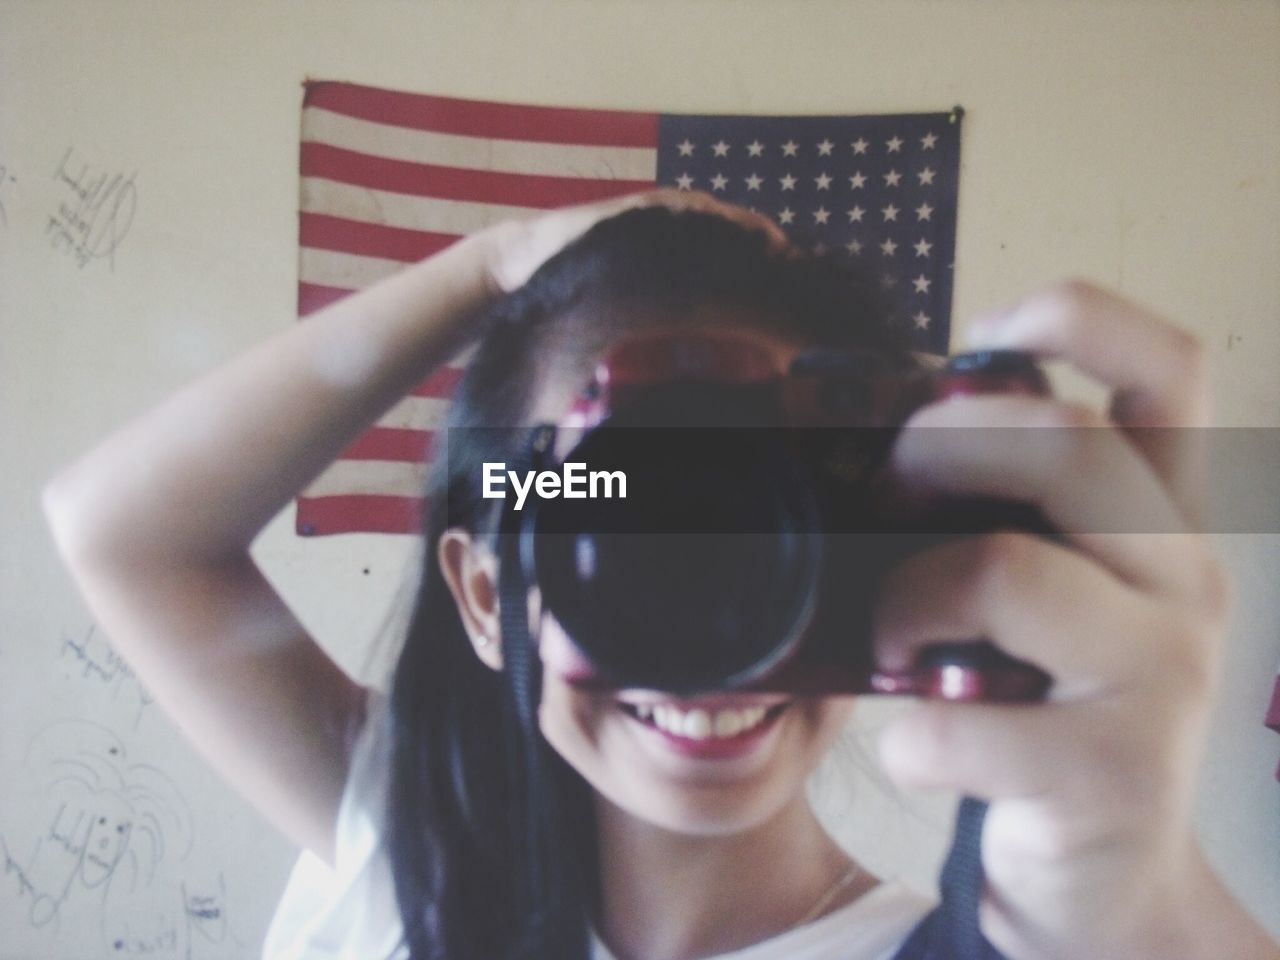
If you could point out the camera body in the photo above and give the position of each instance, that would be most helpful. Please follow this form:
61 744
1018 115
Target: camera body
761 516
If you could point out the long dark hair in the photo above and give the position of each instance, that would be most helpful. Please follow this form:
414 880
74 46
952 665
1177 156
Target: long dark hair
490 833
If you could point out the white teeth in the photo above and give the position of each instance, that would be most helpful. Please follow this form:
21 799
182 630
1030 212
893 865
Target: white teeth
697 725
728 723
700 724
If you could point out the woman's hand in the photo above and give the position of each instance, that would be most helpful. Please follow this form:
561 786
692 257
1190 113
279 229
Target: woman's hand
516 248
1089 847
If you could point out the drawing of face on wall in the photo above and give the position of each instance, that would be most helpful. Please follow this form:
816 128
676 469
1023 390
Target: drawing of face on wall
107 838
111 824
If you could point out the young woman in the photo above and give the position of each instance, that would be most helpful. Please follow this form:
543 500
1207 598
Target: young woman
456 831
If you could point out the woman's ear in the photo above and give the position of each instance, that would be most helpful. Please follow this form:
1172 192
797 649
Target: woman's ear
471 571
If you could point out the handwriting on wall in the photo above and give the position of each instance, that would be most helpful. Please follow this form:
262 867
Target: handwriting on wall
113 835
95 213
94 660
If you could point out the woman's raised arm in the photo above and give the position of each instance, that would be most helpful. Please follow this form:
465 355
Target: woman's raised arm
155 525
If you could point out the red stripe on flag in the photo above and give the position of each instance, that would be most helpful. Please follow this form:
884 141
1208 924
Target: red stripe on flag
318 516
323 232
475 118
314 296
441 384
390 443
455 183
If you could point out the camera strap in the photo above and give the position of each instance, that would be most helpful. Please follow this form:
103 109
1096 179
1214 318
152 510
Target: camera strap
951 930
526 752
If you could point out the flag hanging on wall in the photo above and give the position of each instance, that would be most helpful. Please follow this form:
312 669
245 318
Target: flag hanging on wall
388 178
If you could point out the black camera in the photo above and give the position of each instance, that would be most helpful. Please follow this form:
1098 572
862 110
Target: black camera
746 517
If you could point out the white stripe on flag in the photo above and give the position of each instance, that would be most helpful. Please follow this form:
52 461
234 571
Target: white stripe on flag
370 478
416 413
455 217
350 271
478 153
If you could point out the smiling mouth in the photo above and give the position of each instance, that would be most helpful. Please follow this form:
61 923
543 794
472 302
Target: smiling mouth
703 724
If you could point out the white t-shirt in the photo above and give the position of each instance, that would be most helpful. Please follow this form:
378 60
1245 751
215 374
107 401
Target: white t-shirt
349 910
872 927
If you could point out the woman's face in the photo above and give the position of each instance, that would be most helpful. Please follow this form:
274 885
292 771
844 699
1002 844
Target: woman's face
712 764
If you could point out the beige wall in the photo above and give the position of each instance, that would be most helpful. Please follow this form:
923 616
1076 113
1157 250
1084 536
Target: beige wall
1134 143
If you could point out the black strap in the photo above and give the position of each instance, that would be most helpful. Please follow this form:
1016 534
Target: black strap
523 674
951 931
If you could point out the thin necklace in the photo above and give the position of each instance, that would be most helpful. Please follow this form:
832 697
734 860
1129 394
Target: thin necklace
831 893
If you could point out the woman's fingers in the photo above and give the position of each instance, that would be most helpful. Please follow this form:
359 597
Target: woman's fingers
1060 754
986 751
1157 372
1024 593
1111 651
1085 476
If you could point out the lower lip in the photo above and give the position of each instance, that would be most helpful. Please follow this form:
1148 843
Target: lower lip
713 748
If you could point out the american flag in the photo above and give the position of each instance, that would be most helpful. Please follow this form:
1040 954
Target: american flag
389 177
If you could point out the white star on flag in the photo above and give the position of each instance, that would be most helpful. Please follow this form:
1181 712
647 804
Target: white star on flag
857 181
891 178
921 283
923 211
720 149
823 181
855 215
824 148
894 145
788 182
921 320
786 216
926 176
859 146
719 182
928 140
888 248
685 148
853 246
684 182
789 148
923 248
755 149
753 182
890 213
821 215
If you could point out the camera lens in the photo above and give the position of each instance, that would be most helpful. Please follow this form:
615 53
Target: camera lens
702 578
